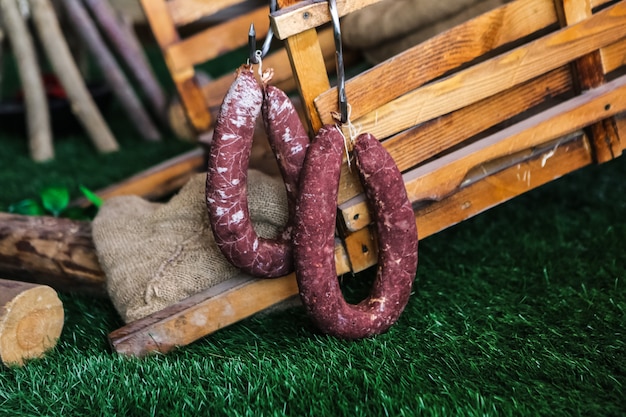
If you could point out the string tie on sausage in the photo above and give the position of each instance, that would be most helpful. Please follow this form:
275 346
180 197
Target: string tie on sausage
353 132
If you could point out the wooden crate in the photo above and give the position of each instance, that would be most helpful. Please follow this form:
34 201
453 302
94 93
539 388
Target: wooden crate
488 110
506 102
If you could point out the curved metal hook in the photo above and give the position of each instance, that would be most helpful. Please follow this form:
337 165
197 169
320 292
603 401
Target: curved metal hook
253 53
341 75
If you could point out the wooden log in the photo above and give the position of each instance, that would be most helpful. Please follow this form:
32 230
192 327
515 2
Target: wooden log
121 87
36 102
31 321
120 34
60 57
51 251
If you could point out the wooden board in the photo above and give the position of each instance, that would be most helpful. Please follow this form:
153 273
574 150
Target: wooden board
435 180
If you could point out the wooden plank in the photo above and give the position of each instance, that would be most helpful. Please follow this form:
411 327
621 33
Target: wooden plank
308 68
495 189
187 11
155 182
589 73
435 180
422 142
166 35
439 55
207 312
161 22
213 41
517 177
614 56
200 315
310 14
497 74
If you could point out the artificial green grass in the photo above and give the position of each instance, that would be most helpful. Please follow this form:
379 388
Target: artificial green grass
519 311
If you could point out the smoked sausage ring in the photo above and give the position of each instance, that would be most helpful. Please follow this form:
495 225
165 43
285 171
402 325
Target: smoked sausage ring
313 237
227 172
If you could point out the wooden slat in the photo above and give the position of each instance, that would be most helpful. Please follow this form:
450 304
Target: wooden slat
589 73
187 11
156 182
161 22
309 69
442 177
310 14
434 180
503 186
216 40
416 145
497 74
166 35
518 177
439 55
207 312
614 56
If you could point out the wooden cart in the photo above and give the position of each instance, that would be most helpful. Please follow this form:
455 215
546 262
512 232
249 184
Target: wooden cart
486 111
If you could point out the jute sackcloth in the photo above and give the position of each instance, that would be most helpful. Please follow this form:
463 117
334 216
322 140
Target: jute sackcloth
156 254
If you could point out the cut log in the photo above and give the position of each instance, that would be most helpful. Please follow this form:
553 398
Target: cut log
51 251
31 321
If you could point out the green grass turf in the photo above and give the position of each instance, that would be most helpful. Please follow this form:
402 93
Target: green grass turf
519 311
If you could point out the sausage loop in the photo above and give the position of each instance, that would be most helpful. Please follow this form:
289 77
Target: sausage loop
313 238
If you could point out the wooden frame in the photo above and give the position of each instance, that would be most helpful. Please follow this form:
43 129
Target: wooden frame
540 93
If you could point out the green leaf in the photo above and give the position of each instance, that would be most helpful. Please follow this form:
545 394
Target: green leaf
29 207
55 199
95 199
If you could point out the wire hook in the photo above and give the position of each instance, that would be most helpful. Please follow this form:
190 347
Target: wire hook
253 55
341 75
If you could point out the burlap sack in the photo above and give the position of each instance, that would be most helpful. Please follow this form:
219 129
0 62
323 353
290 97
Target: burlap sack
389 27
156 254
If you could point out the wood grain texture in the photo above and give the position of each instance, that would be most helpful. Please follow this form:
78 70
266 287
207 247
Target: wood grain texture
51 251
432 181
214 41
207 312
414 146
31 321
497 74
438 56
293 19
589 73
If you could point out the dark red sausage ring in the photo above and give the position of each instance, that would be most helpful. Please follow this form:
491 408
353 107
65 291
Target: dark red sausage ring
226 186
314 233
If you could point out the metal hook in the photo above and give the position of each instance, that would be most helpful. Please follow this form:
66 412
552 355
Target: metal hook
253 54
341 75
